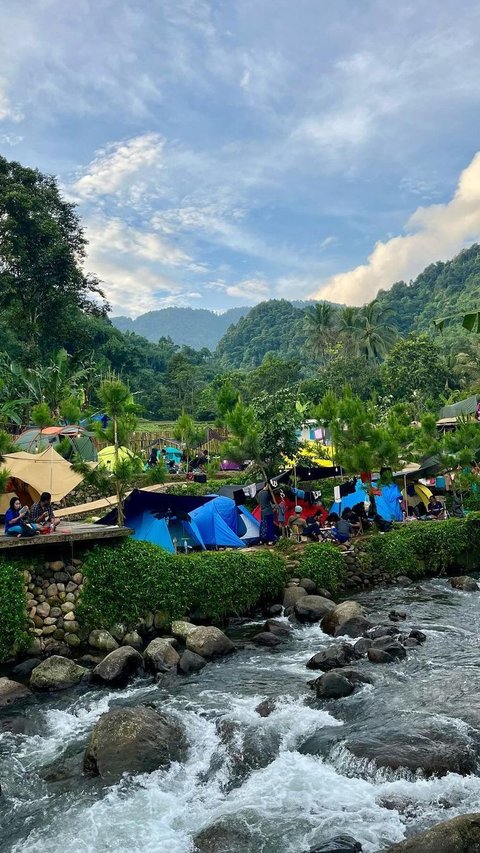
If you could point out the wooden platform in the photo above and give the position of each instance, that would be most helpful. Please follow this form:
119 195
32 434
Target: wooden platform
66 533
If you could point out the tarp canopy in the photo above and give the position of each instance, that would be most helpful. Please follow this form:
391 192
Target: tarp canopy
463 407
413 472
387 502
43 472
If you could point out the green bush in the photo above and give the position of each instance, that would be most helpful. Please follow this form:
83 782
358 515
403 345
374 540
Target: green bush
431 547
13 614
126 581
323 564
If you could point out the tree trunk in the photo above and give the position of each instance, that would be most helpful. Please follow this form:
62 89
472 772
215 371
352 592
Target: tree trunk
120 516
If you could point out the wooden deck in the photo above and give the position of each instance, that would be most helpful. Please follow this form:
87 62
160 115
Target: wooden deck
66 533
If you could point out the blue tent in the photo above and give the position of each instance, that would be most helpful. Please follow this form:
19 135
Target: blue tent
387 503
194 522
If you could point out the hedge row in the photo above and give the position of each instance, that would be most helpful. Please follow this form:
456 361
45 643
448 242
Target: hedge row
13 615
425 548
128 580
323 564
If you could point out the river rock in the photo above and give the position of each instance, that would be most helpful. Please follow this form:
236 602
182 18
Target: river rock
11 692
418 635
181 629
459 835
355 627
57 673
118 666
24 669
292 594
118 631
160 655
226 837
464 583
133 639
433 751
265 708
333 685
362 646
275 610
312 608
103 640
209 642
281 629
266 638
341 613
190 663
133 740
379 656
339 844
333 657
392 647
308 585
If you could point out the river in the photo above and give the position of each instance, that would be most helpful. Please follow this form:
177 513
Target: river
283 783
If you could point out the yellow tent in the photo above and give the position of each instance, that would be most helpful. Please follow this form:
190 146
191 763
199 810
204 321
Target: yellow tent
34 473
106 457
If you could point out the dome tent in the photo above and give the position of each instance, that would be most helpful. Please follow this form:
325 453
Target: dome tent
34 440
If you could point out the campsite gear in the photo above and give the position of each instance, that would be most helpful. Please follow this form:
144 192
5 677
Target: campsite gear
35 440
106 456
32 474
207 522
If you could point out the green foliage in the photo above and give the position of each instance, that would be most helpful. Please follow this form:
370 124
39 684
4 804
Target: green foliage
128 580
323 564
41 415
12 608
263 330
423 548
414 365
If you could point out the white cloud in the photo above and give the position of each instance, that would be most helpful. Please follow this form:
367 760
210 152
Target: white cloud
8 112
120 165
115 236
435 232
253 289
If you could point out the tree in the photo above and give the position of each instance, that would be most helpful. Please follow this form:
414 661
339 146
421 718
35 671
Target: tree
321 328
42 248
118 404
188 435
348 329
414 365
375 335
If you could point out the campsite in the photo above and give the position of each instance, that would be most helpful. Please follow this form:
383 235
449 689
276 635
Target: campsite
239 427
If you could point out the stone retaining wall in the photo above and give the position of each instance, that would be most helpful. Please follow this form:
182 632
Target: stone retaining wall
52 591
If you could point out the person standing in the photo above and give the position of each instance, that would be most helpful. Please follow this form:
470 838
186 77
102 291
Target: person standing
266 504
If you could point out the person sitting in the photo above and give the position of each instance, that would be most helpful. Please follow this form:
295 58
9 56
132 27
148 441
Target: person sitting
435 508
349 515
382 525
41 512
313 529
17 521
153 458
297 524
342 531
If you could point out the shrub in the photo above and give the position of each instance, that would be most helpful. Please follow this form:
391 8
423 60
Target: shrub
13 615
431 547
128 580
323 564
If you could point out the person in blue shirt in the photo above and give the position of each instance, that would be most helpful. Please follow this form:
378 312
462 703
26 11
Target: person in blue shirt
15 520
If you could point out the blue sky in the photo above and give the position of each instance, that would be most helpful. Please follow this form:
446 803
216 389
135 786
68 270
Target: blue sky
227 151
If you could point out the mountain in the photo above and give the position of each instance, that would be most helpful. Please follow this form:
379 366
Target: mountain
274 326
443 288
195 327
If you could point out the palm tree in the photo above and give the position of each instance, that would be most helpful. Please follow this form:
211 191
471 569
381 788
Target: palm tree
348 329
320 326
375 334
118 404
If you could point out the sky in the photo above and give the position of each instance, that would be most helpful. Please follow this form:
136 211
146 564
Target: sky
223 152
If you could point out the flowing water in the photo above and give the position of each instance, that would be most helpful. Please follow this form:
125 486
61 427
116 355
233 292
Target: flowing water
283 783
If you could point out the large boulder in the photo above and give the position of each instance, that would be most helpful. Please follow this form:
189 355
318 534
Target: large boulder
340 614
11 692
209 642
102 640
160 655
312 608
464 583
266 638
459 835
292 594
117 667
181 629
333 657
57 673
190 663
392 647
226 836
333 685
281 629
132 740
355 627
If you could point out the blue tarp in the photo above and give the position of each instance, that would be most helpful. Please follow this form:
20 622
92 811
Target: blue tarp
388 503
212 524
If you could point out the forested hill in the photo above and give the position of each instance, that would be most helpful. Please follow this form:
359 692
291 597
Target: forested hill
274 326
441 289
194 327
